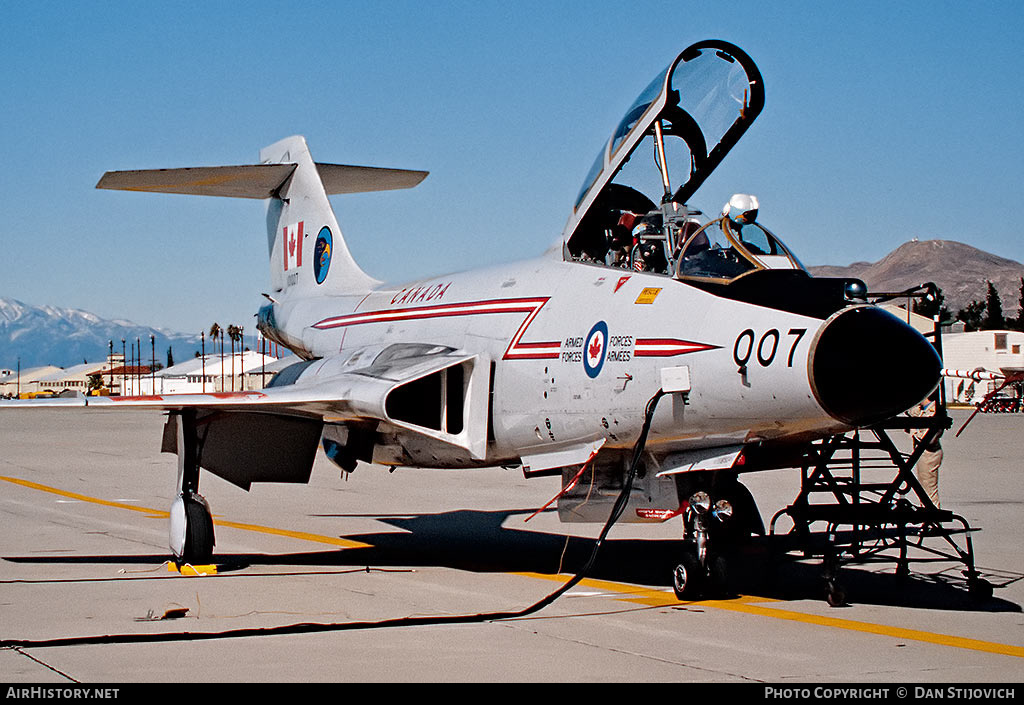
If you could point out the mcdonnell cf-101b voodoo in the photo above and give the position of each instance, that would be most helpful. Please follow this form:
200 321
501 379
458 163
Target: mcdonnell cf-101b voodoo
650 344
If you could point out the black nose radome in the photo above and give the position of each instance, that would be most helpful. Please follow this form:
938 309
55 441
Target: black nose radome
867 366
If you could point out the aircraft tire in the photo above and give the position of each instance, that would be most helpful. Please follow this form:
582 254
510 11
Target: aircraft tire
199 538
687 577
835 595
718 575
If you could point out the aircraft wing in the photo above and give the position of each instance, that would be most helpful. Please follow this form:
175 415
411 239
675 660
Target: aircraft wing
339 399
76 400
434 393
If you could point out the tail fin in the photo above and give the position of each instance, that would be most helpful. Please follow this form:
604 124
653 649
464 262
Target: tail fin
307 251
303 236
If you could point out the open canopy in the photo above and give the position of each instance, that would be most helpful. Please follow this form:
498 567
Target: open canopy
669 141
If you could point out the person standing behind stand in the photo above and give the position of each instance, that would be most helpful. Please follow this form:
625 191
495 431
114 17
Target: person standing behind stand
931 457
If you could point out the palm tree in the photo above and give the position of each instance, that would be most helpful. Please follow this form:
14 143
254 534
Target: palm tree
235 333
94 383
217 332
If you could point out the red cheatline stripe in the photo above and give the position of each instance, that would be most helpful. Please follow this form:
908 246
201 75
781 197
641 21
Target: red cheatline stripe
171 397
471 308
545 354
645 347
667 347
515 350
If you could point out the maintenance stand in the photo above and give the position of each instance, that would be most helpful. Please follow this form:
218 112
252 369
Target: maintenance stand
862 481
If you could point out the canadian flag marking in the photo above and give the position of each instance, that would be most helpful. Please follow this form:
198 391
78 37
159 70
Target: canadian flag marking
293 245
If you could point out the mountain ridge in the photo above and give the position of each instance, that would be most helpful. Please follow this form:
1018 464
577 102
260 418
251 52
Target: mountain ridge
960 270
52 335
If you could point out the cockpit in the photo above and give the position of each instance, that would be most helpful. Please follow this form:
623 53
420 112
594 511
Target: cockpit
723 250
632 211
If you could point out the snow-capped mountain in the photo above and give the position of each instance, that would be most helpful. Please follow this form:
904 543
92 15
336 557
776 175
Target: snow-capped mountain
47 335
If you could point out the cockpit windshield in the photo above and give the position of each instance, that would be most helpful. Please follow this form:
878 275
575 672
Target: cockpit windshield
724 250
636 111
632 208
626 125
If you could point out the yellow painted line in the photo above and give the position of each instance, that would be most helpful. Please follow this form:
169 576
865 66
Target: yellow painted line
753 605
630 593
300 535
84 498
869 628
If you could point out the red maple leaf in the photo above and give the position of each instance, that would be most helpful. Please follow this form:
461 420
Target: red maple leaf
595 347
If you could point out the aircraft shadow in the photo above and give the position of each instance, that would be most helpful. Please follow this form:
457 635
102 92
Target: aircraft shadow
479 541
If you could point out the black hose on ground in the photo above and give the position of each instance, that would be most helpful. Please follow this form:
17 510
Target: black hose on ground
309 628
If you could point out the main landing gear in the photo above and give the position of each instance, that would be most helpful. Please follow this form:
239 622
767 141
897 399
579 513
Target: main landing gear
702 569
191 529
718 519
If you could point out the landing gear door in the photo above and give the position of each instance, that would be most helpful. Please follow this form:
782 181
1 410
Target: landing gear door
667 144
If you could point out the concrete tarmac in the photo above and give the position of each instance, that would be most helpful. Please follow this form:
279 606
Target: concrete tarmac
305 573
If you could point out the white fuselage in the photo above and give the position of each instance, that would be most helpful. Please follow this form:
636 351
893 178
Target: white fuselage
579 349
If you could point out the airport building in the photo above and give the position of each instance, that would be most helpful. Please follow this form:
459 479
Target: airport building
76 378
25 381
126 380
997 351
240 371
50 380
1000 351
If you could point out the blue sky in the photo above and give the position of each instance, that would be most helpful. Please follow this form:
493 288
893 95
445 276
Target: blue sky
883 122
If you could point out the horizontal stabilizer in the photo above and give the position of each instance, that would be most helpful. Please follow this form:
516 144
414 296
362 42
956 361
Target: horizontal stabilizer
251 181
257 180
339 178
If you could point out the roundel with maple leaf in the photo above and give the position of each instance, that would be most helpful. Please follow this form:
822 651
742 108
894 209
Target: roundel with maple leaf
594 349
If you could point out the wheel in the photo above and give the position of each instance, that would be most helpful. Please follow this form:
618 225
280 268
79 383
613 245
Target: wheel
718 576
687 577
199 538
746 521
835 596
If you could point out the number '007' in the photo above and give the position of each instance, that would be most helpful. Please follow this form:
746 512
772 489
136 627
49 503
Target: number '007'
765 348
